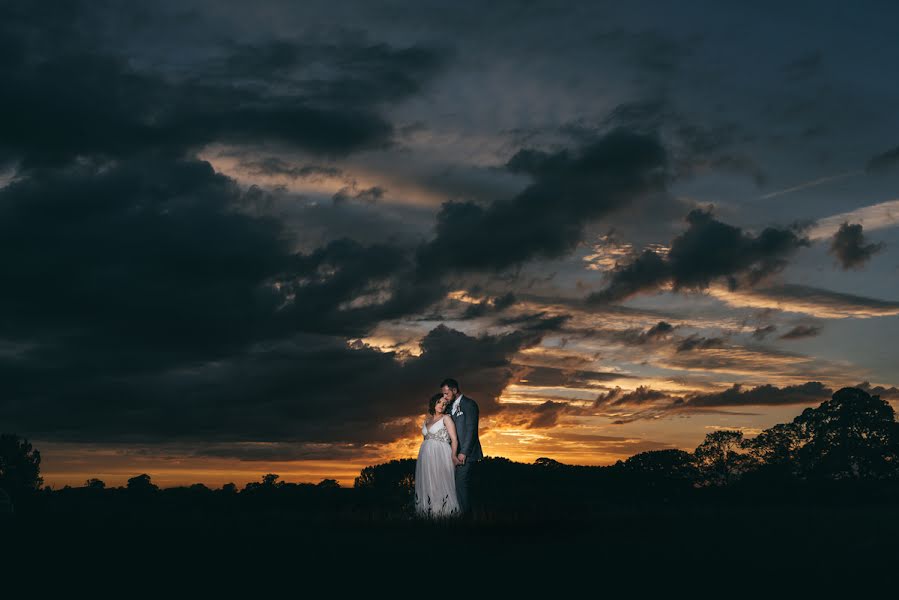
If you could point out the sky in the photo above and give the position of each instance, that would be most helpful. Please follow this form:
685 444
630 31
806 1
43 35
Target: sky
247 238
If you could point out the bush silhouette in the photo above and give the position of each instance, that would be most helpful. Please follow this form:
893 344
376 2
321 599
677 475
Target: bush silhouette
396 477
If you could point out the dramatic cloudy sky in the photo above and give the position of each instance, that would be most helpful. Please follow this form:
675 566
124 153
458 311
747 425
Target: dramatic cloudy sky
250 237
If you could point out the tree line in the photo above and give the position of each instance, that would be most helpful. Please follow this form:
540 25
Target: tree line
847 446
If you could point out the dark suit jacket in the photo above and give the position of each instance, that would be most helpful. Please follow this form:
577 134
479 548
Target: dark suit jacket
467 429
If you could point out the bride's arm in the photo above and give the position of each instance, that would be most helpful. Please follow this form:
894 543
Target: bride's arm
451 429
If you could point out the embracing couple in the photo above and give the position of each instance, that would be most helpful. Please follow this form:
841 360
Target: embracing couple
449 449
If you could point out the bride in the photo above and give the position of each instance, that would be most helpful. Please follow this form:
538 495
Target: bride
435 478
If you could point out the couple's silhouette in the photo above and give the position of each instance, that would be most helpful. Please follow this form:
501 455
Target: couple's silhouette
448 451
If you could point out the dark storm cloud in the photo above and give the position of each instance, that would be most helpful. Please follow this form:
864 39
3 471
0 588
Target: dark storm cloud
488 306
546 415
316 221
887 393
547 219
140 302
68 95
158 251
346 72
151 252
708 250
694 148
801 331
132 271
52 117
314 216
849 247
652 404
810 392
307 388
346 287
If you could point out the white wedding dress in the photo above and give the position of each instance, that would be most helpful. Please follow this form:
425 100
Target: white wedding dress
435 476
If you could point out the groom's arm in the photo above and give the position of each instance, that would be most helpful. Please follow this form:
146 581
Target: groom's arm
471 429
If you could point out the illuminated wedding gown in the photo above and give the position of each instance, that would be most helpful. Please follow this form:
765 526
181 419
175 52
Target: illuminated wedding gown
435 478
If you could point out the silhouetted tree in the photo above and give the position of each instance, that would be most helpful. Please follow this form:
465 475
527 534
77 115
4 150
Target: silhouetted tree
328 484
268 484
853 435
776 449
721 458
394 479
95 484
229 488
665 464
141 484
20 467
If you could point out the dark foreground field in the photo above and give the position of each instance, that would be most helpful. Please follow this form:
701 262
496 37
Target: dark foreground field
646 546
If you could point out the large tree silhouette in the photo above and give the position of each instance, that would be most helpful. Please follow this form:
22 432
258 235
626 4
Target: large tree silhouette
142 485
776 449
20 466
721 458
853 435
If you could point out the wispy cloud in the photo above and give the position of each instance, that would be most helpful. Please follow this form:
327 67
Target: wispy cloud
817 302
811 184
874 216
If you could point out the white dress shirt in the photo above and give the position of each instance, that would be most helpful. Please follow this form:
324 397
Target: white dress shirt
456 404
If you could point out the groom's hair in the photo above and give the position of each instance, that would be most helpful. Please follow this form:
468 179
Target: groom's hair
451 384
432 403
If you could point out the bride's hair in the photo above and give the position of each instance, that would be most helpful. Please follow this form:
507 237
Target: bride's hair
432 403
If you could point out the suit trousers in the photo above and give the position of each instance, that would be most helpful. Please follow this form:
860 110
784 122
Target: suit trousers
463 475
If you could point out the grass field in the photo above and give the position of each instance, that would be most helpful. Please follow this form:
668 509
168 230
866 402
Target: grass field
711 544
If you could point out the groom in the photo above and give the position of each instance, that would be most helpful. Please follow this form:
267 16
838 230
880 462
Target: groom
464 412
